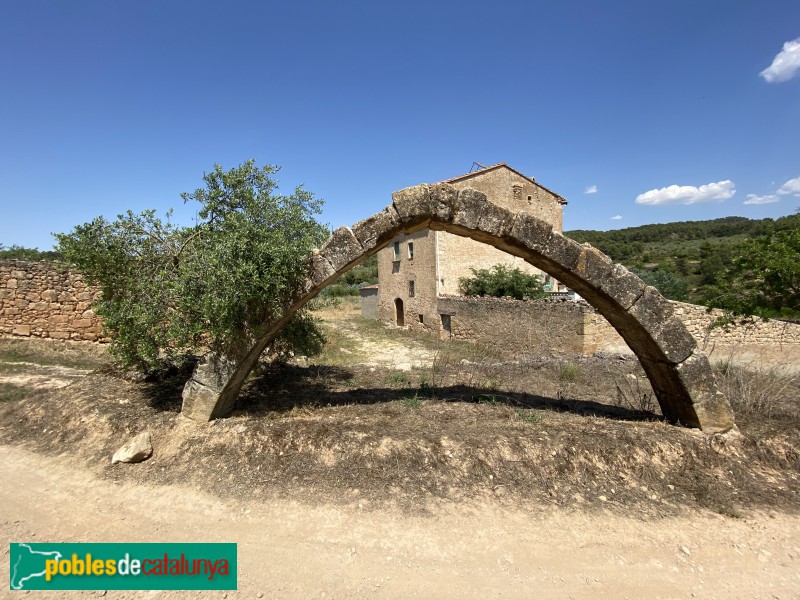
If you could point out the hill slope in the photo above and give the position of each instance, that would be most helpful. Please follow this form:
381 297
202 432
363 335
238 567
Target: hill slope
685 257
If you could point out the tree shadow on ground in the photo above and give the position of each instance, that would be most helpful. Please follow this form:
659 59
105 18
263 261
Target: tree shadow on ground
283 388
163 388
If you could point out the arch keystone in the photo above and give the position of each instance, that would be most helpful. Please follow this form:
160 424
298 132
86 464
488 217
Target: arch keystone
443 198
413 204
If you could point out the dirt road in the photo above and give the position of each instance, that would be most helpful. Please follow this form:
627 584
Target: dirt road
293 550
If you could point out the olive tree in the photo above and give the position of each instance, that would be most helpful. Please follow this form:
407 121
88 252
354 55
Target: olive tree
170 290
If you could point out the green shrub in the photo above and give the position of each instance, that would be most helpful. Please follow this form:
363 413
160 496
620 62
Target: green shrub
339 290
501 282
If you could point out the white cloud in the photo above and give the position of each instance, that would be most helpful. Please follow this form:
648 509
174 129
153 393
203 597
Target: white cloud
688 194
590 189
790 188
616 218
753 199
785 64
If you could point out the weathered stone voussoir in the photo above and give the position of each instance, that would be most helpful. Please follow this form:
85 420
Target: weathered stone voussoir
470 205
320 269
530 232
199 401
377 229
342 248
655 314
444 199
593 266
496 220
623 287
413 204
565 253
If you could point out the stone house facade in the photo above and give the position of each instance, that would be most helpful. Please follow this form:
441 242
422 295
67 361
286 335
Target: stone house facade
416 270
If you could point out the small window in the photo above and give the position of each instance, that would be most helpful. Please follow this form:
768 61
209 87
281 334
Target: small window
396 251
422 319
410 289
410 250
530 199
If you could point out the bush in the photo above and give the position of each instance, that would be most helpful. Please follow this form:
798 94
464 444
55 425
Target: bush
502 282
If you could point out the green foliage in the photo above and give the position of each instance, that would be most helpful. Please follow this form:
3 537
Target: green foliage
695 252
168 289
412 401
529 415
490 399
764 279
339 290
501 282
667 283
22 253
366 272
398 378
569 372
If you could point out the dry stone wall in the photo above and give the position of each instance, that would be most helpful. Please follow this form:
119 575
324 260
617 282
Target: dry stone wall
697 320
518 327
767 342
45 300
565 327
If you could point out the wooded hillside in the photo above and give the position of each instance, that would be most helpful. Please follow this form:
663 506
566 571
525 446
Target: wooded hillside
684 259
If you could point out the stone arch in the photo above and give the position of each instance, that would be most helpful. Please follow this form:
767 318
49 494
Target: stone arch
679 372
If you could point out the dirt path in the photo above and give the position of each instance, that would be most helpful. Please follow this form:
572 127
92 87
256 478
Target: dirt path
40 377
293 550
378 351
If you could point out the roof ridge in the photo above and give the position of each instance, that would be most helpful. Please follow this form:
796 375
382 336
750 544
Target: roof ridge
513 170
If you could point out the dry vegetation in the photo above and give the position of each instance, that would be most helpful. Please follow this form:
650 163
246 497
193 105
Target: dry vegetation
467 422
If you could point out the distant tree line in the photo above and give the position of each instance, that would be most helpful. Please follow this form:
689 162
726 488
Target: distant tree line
22 253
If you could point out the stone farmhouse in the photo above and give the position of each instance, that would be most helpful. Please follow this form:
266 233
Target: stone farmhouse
416 271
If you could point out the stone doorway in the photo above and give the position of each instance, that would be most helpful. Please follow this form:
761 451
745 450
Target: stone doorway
399 313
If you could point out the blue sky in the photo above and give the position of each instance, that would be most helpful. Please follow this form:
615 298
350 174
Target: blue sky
107 106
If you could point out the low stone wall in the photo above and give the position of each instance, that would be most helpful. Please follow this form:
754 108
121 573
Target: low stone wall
698 320
770 342
519 327
45 300
566 327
